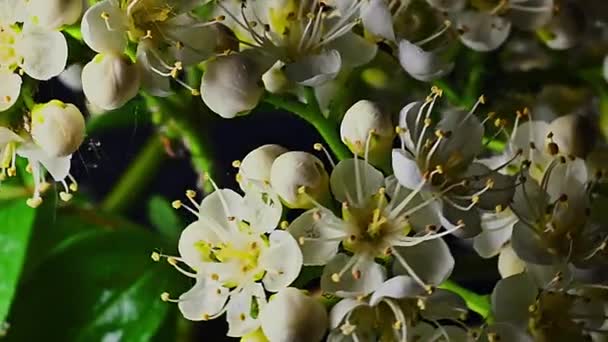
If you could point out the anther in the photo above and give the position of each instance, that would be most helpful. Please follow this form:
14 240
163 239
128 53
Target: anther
176 204
155 256
284 225
335 278
190 194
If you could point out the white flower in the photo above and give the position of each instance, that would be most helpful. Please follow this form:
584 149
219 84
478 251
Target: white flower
229 251
58 128
169 37
39 52
372 226
364 123
54 14
437 161
109 81
482 31
311 39
388 314
292 316
300 179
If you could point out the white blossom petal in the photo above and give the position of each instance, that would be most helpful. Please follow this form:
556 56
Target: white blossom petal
239 310
512 297
370 276
315 70
44 52
322 244
377 19
355 181
422 65
282 261
398 287
10 88
102 36
58 167
206 298
406 170
431 261
482 31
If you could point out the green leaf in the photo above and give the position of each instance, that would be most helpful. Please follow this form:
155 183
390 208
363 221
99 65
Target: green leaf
17 222
95 285
164 218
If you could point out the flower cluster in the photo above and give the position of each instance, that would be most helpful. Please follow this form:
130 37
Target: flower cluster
379 236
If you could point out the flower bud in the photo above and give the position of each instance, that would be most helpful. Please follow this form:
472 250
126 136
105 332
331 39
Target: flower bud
58 128
257 164
564 30
109 81
292 316
275 80
231 85
365 121
54 14
574 134
299 178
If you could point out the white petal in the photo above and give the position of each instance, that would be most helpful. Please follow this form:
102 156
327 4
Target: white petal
71 77
398 287
206 298
406 170
507 332
355 182
482 31
238 313
192 239
198 41
282 261
346 44
109 81
318 251
12 11
509 263
497 229
213 208
422 65
341 309
10 88
7 136
431 260
44 52
372 275
264 211
58 167
529 246
443 304
377 19
315 70
96 33
512 297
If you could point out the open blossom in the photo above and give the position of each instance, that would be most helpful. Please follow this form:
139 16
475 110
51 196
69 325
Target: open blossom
487 29
168 39
371 226
437 161
41 53
311 41
235 254
391 314
546 312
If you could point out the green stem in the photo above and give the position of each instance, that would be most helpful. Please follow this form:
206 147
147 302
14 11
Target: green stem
137 177
477 303
313 116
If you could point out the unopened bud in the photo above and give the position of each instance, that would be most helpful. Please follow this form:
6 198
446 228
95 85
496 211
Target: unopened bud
365 121
303 318
231 85
57 128
109 81
293 171
257 164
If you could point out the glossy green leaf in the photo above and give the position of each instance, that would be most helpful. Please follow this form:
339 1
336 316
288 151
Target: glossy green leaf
164 218
16 222
96 285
